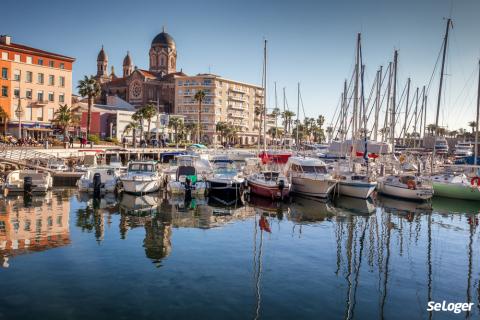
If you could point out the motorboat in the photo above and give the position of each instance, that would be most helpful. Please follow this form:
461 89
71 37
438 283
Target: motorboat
106 177
275 156
30 181
187 177
405 186
226 184
270 184
355 185
141 177
57 165
309 176
456 186
463 149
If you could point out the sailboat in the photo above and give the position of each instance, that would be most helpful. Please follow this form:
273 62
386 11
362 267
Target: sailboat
270 183
452 185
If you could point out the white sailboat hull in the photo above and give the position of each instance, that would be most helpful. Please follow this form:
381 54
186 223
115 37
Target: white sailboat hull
356 189
405 193
312 187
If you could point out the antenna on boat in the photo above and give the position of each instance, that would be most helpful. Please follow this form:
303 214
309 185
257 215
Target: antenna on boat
265 96
478 114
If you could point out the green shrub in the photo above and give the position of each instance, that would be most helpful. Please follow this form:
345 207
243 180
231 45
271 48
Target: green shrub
112 140
94 138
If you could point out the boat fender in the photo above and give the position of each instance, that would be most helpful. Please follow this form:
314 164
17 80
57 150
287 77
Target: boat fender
281 185
97 184
475 182
411 184
27 185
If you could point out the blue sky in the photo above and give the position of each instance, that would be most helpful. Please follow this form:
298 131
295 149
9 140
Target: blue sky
309 41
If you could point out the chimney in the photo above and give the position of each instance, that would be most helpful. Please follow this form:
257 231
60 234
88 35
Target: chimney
4 39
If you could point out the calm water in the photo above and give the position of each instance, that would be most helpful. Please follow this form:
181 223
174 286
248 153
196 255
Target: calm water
65 257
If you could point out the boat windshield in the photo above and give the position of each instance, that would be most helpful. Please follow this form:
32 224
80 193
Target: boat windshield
145 167
314 169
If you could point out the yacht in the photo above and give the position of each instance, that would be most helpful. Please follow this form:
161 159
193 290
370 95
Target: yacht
141 177
190 175
405 186
355 185
309 176
108 180
31 181
441 146
463 149
226 183
456 186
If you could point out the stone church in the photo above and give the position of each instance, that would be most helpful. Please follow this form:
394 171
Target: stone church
138 86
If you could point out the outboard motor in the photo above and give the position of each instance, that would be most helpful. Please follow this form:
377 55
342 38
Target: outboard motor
27 185
97 185
281 186
188 189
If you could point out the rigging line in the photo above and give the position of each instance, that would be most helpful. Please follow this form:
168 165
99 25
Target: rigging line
345 112
336 109
387 71
427 91
397 110
408 113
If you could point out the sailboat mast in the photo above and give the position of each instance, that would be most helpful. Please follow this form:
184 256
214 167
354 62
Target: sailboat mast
389 89
297 142
439 98
356 89
394 94
345 113
416 119
406 113
265 96
377 103
284 119
478 113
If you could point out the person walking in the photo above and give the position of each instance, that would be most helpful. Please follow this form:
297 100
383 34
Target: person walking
70 142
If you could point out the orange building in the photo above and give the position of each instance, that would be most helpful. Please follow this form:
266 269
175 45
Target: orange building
33 85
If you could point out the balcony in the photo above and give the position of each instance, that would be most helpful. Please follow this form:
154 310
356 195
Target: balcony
243 99
259 93
233 89
238 115
236 107
40 102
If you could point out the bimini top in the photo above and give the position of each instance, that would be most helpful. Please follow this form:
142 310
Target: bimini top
306 161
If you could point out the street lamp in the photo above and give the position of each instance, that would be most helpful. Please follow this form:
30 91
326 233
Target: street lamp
19 113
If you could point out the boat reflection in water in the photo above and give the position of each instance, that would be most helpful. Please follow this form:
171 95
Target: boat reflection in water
266 206
33 224
139 205
355 205
307 210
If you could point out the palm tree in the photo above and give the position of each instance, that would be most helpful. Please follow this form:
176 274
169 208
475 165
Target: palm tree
199 97
191 128
63 118
90 88
275 114
221 128
148 112
4 117
138 118
431 128
132 126
473 125
287 120
175 123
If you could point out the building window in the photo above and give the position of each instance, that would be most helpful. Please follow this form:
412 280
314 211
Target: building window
51 64
4 55
50 97
29 77
40 114
16 92
28 94
62 81
16 58
4 91
16 75
4 73
29 60
62 65
51 80
40 95
40 78
61 97
40 62
180 83
50 114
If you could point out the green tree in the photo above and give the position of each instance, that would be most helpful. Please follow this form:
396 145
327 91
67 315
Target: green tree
190 129
287 120
138 118
132 127
221 128
63 118
90 88
148 111
258 117
175 123
473 125
199 97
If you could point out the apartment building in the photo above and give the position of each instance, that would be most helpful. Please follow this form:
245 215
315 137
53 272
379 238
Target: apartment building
33 85
225 100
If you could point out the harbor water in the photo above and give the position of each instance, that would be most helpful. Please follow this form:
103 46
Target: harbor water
67 256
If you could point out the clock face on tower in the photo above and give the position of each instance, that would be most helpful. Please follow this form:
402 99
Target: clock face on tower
136 89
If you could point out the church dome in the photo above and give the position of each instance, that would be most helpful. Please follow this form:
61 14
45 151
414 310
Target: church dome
163 39
102 56
127 61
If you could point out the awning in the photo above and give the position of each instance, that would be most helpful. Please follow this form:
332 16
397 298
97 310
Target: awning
39 129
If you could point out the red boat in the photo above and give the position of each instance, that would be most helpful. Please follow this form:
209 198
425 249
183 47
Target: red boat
275 156
269 184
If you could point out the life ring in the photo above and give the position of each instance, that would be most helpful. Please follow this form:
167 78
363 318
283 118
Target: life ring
475 182
411 184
